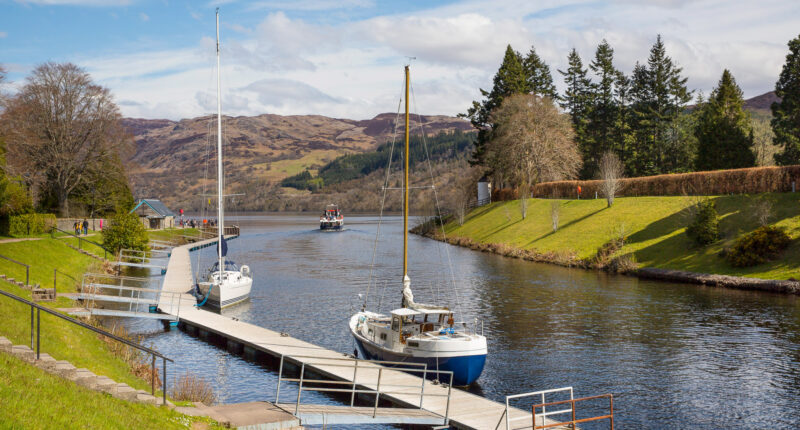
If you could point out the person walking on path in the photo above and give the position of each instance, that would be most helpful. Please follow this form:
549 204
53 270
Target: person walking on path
75 228
85 227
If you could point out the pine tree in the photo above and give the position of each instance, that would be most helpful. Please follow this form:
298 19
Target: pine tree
602 112
660 94
786 113
724 132
577 100
622 126
509 79
537 76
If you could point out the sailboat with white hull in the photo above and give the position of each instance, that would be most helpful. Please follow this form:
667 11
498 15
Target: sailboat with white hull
226 284
417 332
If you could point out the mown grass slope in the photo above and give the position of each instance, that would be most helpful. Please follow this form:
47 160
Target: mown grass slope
34 399
654 227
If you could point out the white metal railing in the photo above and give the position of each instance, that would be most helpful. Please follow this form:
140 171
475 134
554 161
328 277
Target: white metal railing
544 413
381 386
132 289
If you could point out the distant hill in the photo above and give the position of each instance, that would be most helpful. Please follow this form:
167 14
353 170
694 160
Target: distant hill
170 159
762 103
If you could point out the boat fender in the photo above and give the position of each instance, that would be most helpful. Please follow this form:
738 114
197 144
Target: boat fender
245 270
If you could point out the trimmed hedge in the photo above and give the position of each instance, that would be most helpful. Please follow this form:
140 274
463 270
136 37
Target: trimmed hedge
735 181
26 224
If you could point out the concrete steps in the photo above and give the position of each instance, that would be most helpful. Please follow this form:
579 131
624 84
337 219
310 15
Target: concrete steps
82 377
43 294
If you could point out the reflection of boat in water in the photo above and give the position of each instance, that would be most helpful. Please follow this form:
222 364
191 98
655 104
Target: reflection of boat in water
225 284
331 219
417 332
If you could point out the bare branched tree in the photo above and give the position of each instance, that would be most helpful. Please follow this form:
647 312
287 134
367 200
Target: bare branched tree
532 142
59 127
611 171
464 190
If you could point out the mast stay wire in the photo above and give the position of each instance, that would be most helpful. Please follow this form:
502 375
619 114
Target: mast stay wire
438 208
383 202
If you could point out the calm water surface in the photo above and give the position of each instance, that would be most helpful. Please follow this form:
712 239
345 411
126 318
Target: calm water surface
674 356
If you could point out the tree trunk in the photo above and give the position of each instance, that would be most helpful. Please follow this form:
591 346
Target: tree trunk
63 204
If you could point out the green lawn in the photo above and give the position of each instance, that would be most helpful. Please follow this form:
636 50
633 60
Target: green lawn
32 398
654 227
62 340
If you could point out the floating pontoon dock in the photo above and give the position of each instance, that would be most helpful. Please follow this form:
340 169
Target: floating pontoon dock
465 410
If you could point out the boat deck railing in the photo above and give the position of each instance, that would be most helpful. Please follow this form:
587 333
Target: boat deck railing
373 373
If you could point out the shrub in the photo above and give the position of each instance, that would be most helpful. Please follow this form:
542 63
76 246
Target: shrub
757 247
194 389
26 224
704 228
125 231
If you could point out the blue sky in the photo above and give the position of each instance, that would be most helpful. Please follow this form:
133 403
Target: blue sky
344 58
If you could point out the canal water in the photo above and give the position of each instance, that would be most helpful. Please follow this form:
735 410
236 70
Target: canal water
673 355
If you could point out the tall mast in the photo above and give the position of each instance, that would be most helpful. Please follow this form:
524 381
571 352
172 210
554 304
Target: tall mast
220 219
405 189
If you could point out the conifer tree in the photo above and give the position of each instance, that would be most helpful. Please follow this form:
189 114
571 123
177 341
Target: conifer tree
659 94
622 127
724 133
603 110
786 113
509 79
577 100
538 77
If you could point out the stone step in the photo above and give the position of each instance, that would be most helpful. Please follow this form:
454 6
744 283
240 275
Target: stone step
5 345
2 276
65 369
105 384
146 398
10 279
45 361
86 379
124 392
23 352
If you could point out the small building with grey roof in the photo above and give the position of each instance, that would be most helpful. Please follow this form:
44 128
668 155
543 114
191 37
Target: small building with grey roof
154 214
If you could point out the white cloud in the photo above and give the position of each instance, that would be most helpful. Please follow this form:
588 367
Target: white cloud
310 5
353 69
143 16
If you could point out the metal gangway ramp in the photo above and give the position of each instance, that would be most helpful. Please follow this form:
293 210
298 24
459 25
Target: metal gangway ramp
370 381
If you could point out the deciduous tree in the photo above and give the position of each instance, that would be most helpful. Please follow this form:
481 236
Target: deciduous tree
611 171
59 127
532 142
509 79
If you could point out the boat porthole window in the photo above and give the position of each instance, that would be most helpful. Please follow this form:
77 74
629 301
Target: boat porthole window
413 344
383 336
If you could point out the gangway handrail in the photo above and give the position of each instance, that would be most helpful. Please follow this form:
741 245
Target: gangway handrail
380 366
541 393
57 314
27 268
573 421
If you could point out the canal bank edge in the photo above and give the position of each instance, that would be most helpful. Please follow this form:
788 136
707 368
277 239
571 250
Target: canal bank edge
655 239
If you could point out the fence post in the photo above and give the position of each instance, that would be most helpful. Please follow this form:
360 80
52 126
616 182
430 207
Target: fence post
377 393
353 394
31 325
280 375
164 384
300 388
153 376
55 274
38 328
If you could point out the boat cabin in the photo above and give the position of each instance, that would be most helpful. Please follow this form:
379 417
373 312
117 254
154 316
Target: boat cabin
331 212
405 323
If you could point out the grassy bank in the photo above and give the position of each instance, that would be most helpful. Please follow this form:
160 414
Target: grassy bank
33 398
654 227
60 339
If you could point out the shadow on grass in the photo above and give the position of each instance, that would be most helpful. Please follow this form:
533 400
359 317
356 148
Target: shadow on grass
575 221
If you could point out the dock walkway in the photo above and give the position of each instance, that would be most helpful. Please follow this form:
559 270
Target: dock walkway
466 410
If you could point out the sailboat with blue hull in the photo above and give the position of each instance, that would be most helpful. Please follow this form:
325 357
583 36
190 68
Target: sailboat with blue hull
417 332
